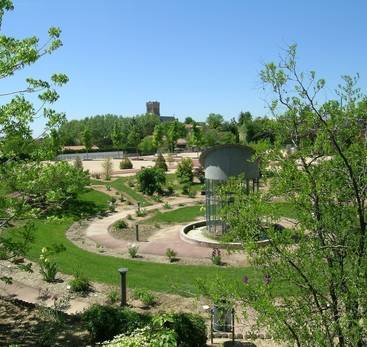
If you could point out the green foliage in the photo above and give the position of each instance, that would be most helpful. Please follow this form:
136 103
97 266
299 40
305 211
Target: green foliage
80 284
160 163
214 121
112 295
87 139
167 206
78 164
190 329
105 322
147 145
117 137
47 185
216 257
107 168
324 178
151 180
179 215
48 269
145 296
171 254
126 163
133 250
184 172
120 224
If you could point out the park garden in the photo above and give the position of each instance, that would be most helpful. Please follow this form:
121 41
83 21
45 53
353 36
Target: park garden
69 234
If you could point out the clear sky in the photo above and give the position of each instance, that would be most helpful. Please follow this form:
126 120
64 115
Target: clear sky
194 56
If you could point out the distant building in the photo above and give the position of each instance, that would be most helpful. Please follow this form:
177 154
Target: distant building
153 107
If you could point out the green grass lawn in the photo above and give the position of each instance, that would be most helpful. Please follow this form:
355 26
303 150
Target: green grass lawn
180 215
170 278
172 181
121 185
285 209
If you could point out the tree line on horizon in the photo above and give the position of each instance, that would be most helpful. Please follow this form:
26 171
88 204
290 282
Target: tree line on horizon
146 133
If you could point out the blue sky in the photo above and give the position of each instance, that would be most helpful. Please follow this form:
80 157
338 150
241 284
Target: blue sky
194 56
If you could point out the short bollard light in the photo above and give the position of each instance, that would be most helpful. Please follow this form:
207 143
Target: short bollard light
123 272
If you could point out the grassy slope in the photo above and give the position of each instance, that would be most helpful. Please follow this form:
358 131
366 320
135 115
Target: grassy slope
180 215
172 180
172 278
122 187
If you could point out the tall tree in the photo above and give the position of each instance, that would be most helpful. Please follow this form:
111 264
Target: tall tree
87 140
117 139
214 120
323 260
20 153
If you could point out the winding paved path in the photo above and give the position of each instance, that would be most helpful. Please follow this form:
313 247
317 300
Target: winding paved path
157 244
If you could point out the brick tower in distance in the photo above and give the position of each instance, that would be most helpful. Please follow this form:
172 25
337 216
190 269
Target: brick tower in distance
153 107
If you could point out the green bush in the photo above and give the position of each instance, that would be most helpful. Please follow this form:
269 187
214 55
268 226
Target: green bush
120 224
126 163
184 171
80 284
160 163
190 329
112 295
151 180
171 254
145 296
104 322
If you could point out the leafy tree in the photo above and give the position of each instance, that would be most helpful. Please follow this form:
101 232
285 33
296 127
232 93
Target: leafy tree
174 131
151 180
48 186
134 136
87 140
189 120
78 164
322 261
20 153
107 168
126 163
196 136
158 135
214 120
185 174
117 138
161 163
146 146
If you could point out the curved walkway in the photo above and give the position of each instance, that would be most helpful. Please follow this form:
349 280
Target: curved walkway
157 244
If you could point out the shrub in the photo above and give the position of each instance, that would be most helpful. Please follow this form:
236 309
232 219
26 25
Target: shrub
107 168
80 284
129 217
108 187
112 295
171 254
167 206
170 190
126 163
190 329
216 257
145 296
121 224
184 171
157 198
104 322
48 269
133 250
192 193
141 212
160 163
151 180
78 164
122 199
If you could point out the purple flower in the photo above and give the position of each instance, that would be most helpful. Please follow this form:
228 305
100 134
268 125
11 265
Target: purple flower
267 279
245 279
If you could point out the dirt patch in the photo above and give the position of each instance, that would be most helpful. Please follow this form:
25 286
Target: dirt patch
27 324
